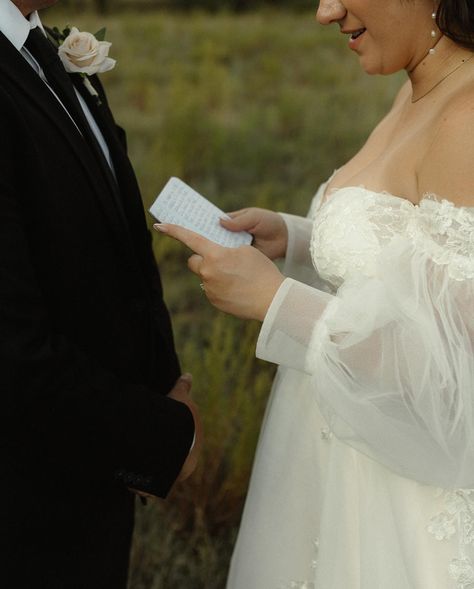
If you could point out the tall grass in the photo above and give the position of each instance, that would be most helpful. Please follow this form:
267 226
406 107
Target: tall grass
251 110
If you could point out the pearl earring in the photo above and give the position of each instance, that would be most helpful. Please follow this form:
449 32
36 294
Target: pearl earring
432 51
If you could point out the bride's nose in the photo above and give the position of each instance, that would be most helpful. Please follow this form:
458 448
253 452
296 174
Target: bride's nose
330 11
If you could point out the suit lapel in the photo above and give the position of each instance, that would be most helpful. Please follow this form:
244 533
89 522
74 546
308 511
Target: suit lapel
15 67
125 175
106 124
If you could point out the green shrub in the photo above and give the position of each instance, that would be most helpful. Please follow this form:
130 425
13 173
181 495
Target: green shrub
240 5
188 543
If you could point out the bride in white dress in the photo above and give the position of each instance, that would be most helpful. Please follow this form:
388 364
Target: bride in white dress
364 471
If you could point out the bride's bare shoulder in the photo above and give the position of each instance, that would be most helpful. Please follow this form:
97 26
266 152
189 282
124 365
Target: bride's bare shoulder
447 168
403 93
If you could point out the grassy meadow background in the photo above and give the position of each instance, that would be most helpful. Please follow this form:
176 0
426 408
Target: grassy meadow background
250 109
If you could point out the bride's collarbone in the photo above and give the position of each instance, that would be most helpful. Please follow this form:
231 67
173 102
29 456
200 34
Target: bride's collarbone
387 163
395 159
395 176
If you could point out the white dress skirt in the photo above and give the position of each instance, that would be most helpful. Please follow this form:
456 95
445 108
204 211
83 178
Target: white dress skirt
365 464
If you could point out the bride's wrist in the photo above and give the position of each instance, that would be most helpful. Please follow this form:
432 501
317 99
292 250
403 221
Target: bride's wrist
268 296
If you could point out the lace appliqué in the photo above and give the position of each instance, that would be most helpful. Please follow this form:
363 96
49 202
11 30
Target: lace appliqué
305 584
351 228
446 233
457 518
345 240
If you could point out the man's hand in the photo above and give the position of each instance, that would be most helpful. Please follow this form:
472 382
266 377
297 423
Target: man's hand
268 229
241 281
182 392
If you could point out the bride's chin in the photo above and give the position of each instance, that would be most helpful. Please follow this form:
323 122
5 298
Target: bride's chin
380 66
369 66
377 69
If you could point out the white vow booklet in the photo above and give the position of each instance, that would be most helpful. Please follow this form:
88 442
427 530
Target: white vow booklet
179 204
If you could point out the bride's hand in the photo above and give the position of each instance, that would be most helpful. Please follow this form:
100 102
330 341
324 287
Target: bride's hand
267 227
241 281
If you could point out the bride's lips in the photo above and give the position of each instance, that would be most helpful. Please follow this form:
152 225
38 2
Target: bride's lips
355 37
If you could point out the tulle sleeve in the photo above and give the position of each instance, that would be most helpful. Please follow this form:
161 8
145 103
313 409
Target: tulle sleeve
391 356
298 264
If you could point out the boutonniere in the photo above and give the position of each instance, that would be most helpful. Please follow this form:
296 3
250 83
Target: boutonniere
84 53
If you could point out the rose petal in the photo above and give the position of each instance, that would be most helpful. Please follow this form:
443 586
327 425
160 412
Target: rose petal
81 52
107 65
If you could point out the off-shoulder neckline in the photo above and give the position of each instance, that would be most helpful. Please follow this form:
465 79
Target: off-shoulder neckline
427 197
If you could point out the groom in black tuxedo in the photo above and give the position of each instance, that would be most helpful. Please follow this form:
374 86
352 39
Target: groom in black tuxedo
93 409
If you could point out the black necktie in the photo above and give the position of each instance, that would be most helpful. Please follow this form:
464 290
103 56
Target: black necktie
47 57
43 51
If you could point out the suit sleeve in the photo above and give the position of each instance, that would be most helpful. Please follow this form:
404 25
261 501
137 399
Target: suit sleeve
62 410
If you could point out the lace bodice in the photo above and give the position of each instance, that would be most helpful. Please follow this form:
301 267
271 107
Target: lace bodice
353 225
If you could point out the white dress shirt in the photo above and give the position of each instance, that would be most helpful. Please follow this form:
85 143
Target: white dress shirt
16 29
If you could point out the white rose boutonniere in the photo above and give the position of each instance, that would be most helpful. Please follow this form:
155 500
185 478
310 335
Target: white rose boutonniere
84 53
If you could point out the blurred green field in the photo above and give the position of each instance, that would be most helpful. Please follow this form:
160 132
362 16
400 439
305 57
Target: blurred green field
254 109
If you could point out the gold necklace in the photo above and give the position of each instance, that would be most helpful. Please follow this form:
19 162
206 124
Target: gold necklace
413 100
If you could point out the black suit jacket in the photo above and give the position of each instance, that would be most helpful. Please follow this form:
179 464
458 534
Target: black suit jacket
86 348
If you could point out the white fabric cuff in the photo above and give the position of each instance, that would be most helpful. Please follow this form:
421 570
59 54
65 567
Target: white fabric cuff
287 336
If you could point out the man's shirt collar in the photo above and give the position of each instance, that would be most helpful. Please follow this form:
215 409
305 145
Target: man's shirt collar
14 25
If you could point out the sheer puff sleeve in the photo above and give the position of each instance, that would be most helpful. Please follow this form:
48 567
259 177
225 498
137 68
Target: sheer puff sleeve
390 355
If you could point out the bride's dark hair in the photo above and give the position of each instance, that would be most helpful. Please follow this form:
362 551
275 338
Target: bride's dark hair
455 19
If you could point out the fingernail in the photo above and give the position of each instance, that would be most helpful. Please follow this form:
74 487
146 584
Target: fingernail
187 376
160 227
